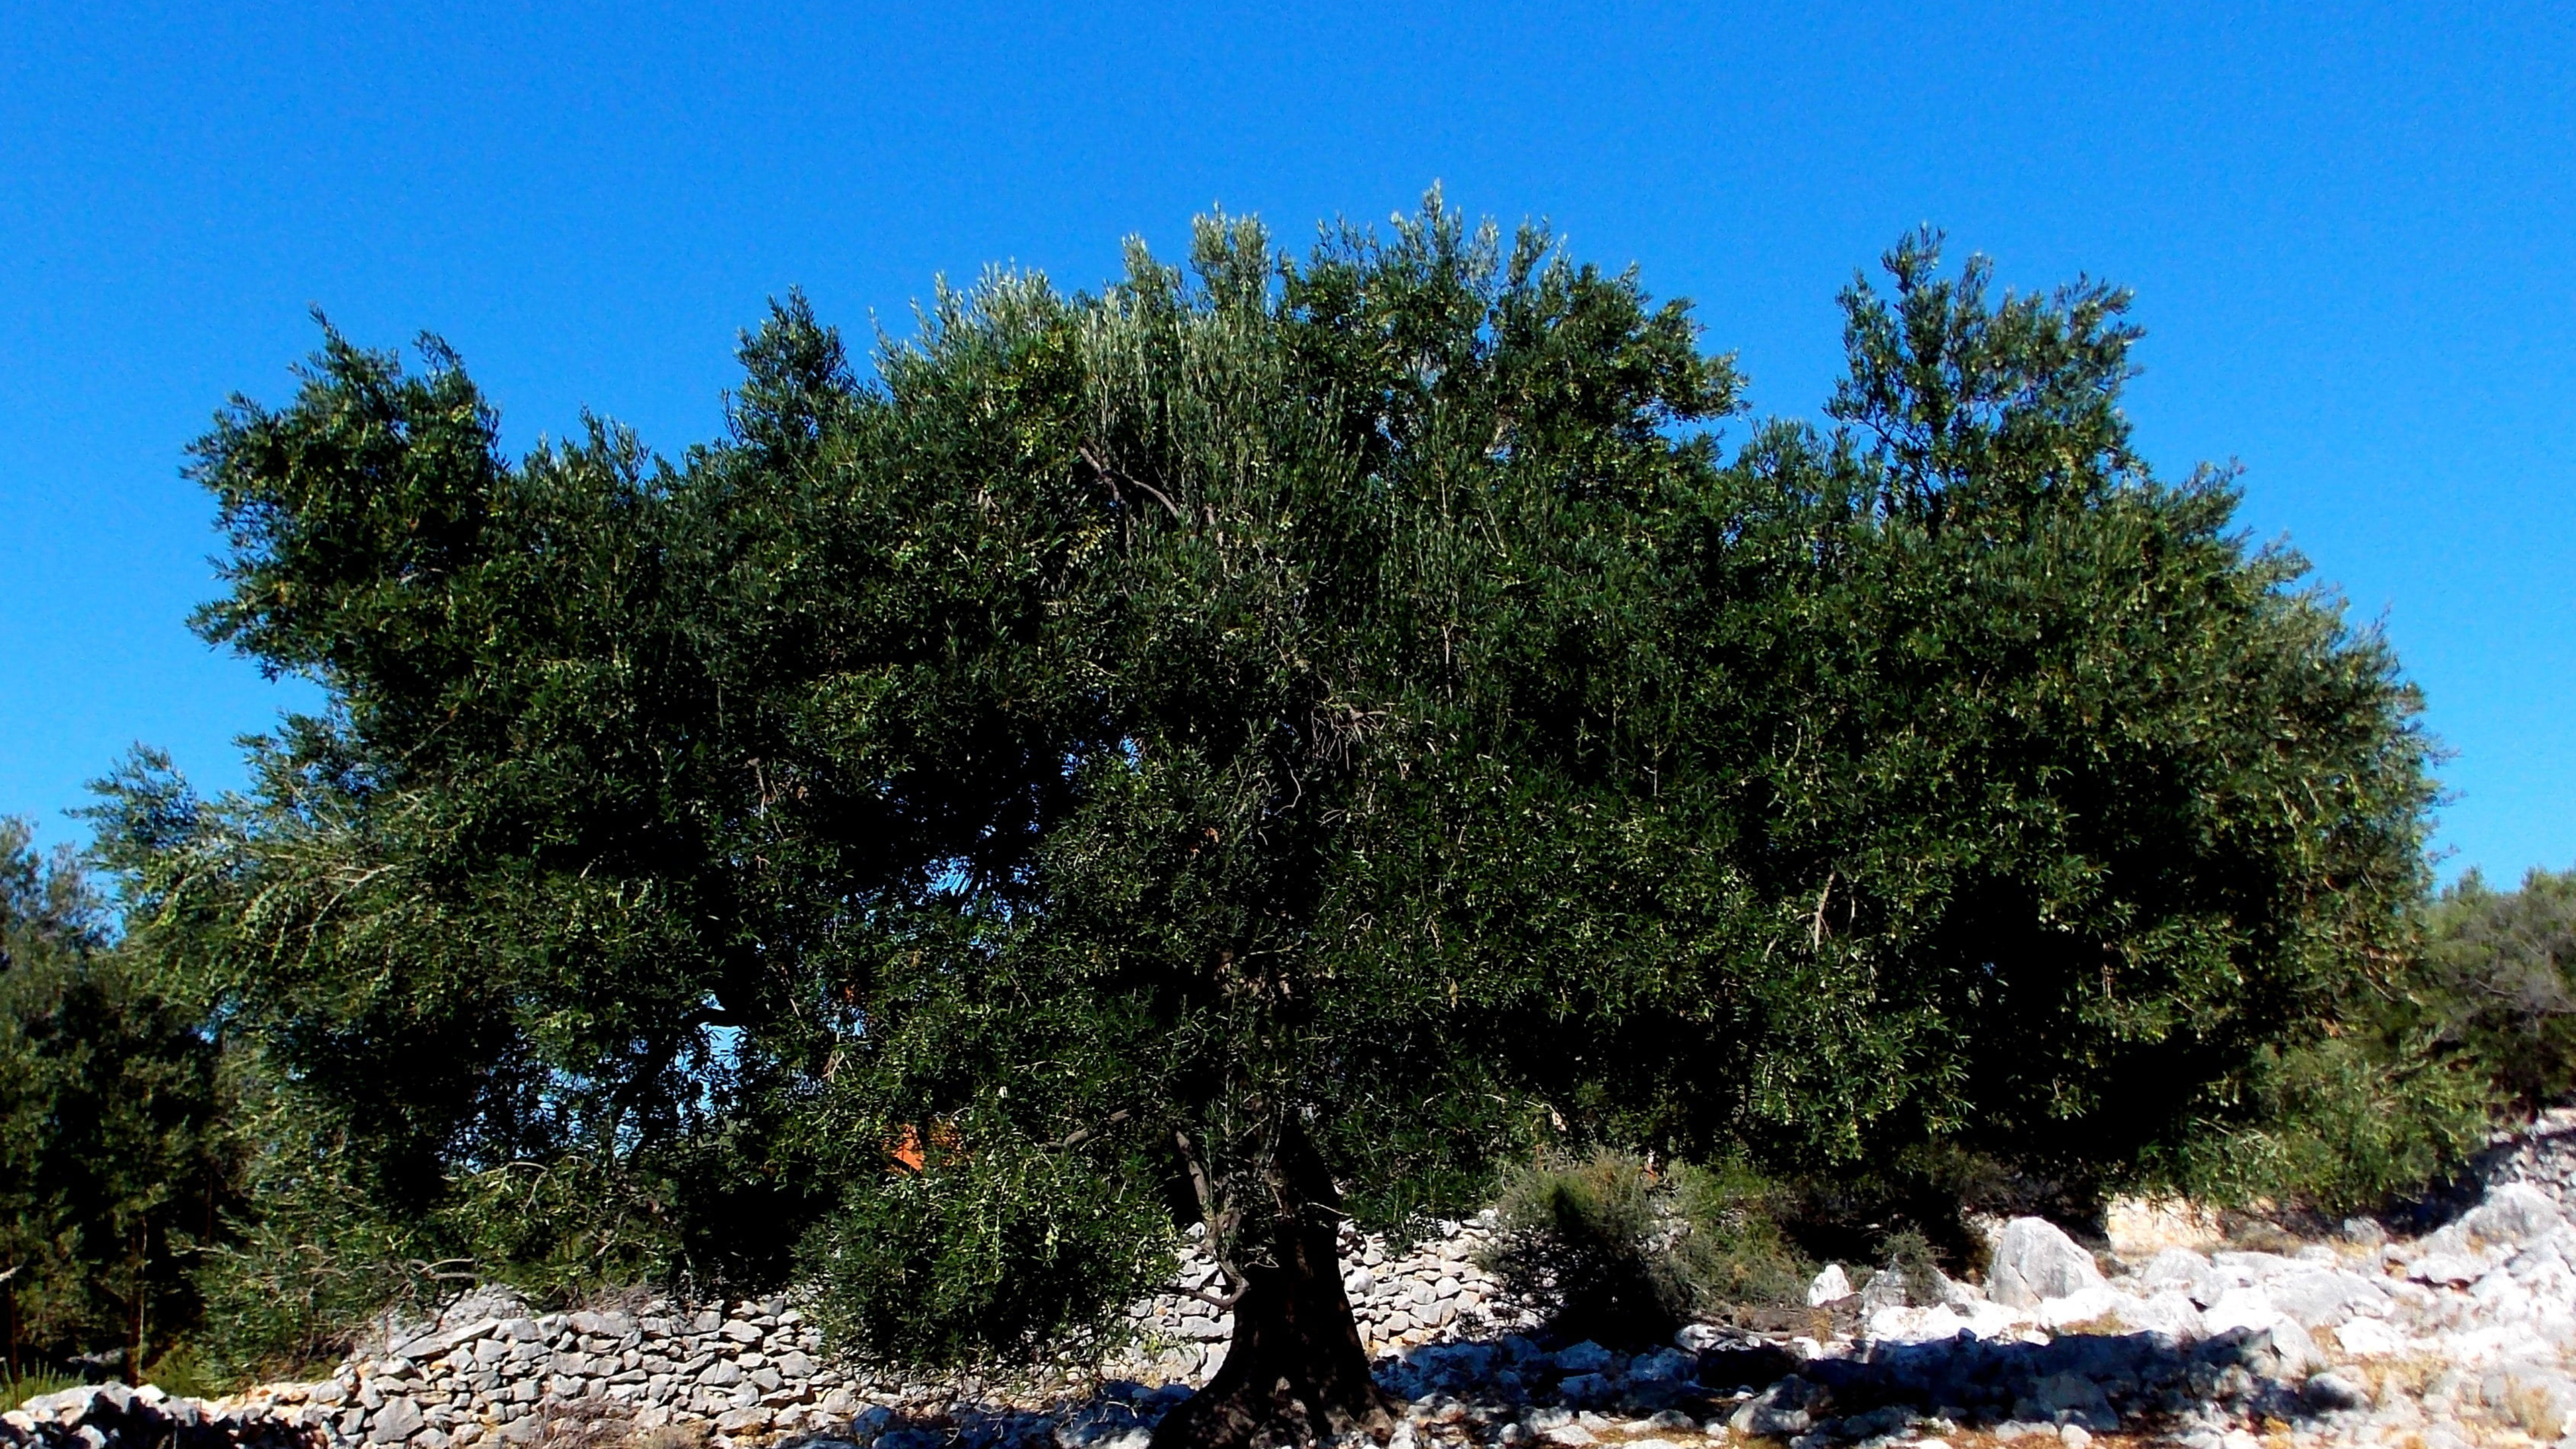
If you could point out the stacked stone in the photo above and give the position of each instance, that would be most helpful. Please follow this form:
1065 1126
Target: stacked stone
747 1369
100 1415
1439 1290
2544 1156
1436 1289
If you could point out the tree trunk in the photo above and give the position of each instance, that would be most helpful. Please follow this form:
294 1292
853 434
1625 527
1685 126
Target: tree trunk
1294 1372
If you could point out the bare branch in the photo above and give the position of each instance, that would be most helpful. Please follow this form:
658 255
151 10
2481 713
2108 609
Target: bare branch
1076 1139
1114 477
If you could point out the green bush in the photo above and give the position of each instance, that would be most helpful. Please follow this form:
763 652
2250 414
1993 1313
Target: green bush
317 1261
18 1388
991 1252
2500 982
319 1257
1910 1256
1590 1242
1733 1250
2349 1123
1614 1250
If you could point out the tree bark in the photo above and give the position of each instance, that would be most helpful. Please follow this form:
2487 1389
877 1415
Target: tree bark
1294 1372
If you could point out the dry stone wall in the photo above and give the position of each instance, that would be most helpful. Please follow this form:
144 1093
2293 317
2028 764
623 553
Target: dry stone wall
500 1378
1403 1296
491 1374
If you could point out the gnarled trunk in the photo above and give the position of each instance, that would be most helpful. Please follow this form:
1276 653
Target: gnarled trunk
1294 1372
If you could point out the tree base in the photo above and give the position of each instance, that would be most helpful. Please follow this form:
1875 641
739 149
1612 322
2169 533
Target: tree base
1295 1374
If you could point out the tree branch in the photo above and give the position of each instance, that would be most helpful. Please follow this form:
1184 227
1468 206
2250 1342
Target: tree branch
1114 477
1208 1211
1076 1139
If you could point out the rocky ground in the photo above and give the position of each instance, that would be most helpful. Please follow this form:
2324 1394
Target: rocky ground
2460 1335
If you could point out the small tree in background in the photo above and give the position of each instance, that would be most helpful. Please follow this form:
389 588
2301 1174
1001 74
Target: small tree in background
113 1155
2501 979
1269 742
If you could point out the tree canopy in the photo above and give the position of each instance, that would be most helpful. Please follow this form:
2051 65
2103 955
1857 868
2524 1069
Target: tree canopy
1277 737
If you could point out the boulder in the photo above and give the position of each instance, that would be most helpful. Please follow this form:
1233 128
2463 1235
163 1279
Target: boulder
2324 1297
2168 1312
2446 1269
2246 1308
1662 1366
2180 1270
1586 1357
2370 1338
1588 1389
1699 1337
2515 1213
1830 1286
1884 1290
2067 1393
1778 1411
2095 1304
2035 1260
2335 1392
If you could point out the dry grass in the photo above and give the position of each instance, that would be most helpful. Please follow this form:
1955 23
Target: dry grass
586 1425
2408 1375
627 1298
674 1436
2531 1406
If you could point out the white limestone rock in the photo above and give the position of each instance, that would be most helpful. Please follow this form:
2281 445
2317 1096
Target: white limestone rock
1831 1286
2515 1213
2035 1260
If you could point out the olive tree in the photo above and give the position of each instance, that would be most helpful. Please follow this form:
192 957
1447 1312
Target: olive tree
1262 745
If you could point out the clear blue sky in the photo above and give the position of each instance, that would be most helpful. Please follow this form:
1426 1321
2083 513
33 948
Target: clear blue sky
2349 229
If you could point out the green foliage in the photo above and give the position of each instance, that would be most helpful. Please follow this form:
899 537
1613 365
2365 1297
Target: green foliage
2476 1028
2061 804
993 1248
113 1159
1616 1251
316 1257
182 1373
1589 1242
2500 982
1276 723
1909 1254
17 1388
1733 1250
2345 1124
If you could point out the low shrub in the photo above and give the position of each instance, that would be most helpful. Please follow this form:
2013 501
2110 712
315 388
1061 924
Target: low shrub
1613 1249
1733 1250
2348 1124
1910 1256
18 1388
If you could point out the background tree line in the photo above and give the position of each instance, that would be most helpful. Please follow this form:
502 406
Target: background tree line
1277 738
